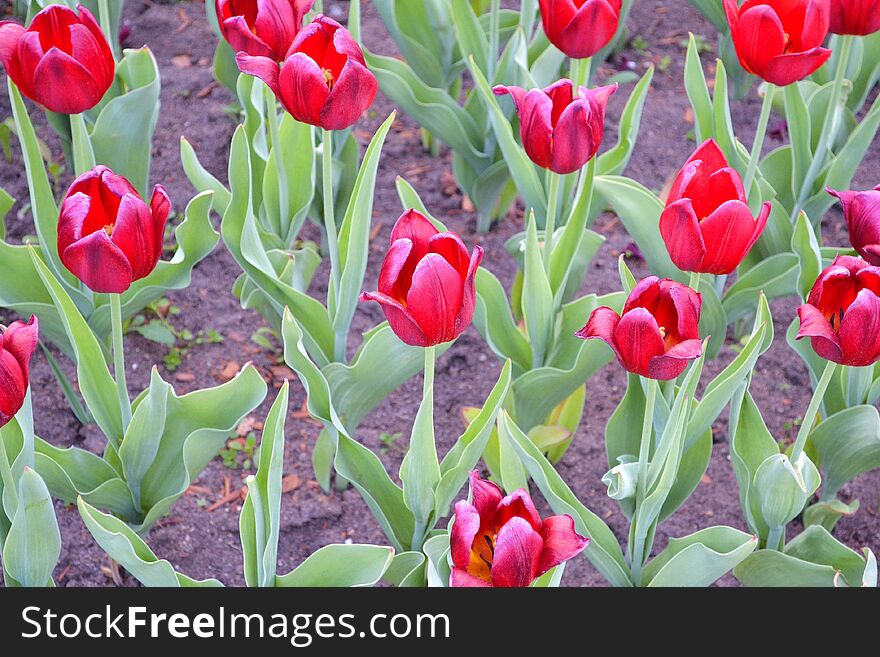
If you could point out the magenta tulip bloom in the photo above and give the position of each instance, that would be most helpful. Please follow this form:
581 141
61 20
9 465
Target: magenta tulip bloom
262 28
580 28
502 541
842 313
426 285
559 132
107 236
658 331
323 81
707 225
17 345
857 17
61 61
862 212
779 40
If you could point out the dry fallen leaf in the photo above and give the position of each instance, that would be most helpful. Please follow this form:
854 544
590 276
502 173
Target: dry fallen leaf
184 377
230 369
181 61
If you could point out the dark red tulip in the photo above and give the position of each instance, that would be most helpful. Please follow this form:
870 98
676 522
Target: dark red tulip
580 28
658 331
779 40
862 212
559 132
857 17
61 61
262 28
426 285
107 236
842 313
502 541
323 81
17 345
707 226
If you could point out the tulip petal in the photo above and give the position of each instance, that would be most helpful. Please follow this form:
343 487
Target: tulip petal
135 236
859 333
262 67
680 230
20 340
815 326
601 324
403 325
276 24
464 530
759 37
518 505
728 234
687 304
534 109
669 365
302 88
242 39
485 495
434 298
10 34
638 340
395 276
13 388
64 85
517 554
462 579
590 30
469 291
788 69
94 54
99 263
561 542
573 140
414 226
160 208
453 250
352 93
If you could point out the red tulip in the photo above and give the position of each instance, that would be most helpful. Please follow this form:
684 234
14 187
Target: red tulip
580 28
842 313
426 285
62 61
262 28
323 81
858 17
779 40
107 236
17 345
559 132
502 541
658 331
707 226
862 213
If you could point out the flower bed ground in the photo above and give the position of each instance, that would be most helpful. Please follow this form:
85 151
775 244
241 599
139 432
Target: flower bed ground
200 537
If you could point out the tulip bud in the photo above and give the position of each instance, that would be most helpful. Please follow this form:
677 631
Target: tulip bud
61 61
842 313
580 28
707 225
784 487
558 131
862 213
261 28
502 541
107 236
17 344
622 479
857 17
658 331
323 81
779 40
426 285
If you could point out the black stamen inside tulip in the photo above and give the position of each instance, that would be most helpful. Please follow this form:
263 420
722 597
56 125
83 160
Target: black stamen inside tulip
490 543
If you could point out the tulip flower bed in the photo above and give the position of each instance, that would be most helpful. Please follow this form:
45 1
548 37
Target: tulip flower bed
437 221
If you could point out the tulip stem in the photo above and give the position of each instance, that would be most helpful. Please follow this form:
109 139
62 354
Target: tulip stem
812 410
280 170
638 550
580 71
774 537
694 281
430 360
829 126
106 26
330 227
553 180
758 144
6 474
119 361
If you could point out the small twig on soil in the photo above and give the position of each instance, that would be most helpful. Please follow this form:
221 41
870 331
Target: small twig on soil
233 496
63 574
377 228
185 20
197 490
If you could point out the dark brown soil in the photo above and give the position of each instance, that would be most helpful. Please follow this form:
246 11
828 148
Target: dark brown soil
205 543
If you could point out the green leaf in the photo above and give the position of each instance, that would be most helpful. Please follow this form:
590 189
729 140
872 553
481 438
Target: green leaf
126 547
698 92
700 558
827 514
340 565
603 551
775 277
407 570
848 444
537 298
420 470
805 245
614 160
798 118
33 543
201 178
494 320
437 551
